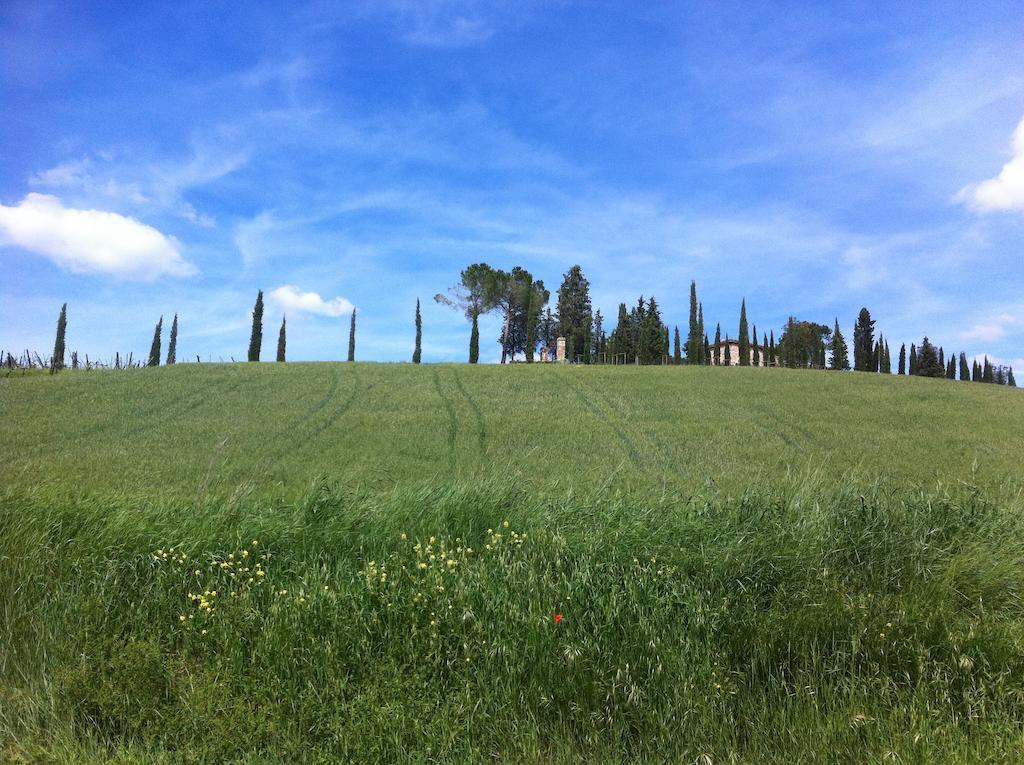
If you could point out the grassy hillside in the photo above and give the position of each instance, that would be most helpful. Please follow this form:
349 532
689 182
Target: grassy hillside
371 563
209 428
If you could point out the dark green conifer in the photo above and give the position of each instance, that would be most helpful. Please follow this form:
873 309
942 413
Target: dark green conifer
474 341
352 337
172 343
764 350
755 358
57 362
726 359
773 358
986 374
154 349
1009 379
717 348
281 341
677 353
744 339
926 363
913 360
902 369
840 352
695 338
707 351
702 333
965 370
256 338
417 353
864 342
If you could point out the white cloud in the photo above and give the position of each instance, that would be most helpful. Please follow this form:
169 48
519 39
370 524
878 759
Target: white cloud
292 300
91 241
157 185
1006 190
991 330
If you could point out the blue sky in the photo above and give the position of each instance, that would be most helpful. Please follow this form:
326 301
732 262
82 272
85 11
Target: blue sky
812 158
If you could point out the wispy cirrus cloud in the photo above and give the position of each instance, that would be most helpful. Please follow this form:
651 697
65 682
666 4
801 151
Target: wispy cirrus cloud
155 185
91 241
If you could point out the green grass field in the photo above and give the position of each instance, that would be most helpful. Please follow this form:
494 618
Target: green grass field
745 565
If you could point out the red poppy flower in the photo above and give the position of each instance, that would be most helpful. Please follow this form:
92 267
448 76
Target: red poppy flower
558 618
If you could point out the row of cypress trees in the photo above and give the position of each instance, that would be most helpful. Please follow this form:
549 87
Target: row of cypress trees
640 334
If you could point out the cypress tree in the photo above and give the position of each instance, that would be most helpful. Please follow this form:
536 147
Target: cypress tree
965 370
677 354
694 340
951 368
744 336
418 351
172 344
888 359
902 370
352 337
986 374
474 342
863 342
154 349
706 357
717 358
756 351
1009 379
773 358
597 340
912 368
256 338
725 359
764 350
281 341
976 371
57 362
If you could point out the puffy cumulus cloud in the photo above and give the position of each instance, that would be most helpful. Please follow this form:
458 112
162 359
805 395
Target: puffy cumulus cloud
1006 190
293 300
91 241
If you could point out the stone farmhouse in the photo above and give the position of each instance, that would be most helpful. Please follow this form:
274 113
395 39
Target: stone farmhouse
730 349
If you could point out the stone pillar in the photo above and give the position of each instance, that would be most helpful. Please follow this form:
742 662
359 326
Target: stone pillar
560 350
543 354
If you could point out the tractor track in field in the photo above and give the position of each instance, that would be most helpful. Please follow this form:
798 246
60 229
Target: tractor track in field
310 434
606 419
150 417
453 423
649 435
267 462
481 426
